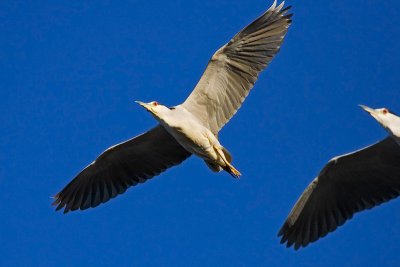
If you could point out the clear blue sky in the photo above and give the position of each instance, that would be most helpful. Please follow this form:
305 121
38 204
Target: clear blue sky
70 72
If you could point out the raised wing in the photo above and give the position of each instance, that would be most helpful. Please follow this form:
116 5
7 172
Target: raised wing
234 68
346 185
119 167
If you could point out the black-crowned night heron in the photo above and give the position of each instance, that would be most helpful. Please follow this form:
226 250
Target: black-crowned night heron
347 184
189 128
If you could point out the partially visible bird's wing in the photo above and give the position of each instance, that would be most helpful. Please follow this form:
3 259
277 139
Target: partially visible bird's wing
120 167
346 185
234 68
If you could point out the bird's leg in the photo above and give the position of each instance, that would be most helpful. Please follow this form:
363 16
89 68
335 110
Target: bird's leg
228 167
232 171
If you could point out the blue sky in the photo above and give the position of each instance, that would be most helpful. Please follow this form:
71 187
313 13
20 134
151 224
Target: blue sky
70 72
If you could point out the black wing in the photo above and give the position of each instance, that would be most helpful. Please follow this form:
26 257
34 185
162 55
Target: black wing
120 167
346 185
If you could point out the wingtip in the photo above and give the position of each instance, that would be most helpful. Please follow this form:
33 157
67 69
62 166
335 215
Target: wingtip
280 233
286 8
280 6
284 234
59 207
289 17
272 7
281 10
56 200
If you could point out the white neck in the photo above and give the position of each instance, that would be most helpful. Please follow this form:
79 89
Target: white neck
394 128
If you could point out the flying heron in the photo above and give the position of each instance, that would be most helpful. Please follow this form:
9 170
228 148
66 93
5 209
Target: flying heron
347 184
189 128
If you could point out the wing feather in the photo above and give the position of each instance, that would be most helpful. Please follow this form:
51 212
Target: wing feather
234 68
345 186
119 167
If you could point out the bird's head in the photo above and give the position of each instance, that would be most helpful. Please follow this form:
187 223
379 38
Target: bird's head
155 108
389 120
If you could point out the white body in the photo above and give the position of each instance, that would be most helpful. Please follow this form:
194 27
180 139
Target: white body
192 135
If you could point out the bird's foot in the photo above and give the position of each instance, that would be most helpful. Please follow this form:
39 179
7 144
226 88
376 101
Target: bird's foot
232 171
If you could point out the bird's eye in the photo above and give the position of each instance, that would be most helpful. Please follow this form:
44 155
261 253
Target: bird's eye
155 103
385 111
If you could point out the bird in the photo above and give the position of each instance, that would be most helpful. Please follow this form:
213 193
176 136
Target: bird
346 185
188 128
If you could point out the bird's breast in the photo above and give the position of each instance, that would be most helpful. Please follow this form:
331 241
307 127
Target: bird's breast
192 136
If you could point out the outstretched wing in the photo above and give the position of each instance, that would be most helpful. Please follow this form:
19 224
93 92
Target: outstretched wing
120 167
346 185
234 68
